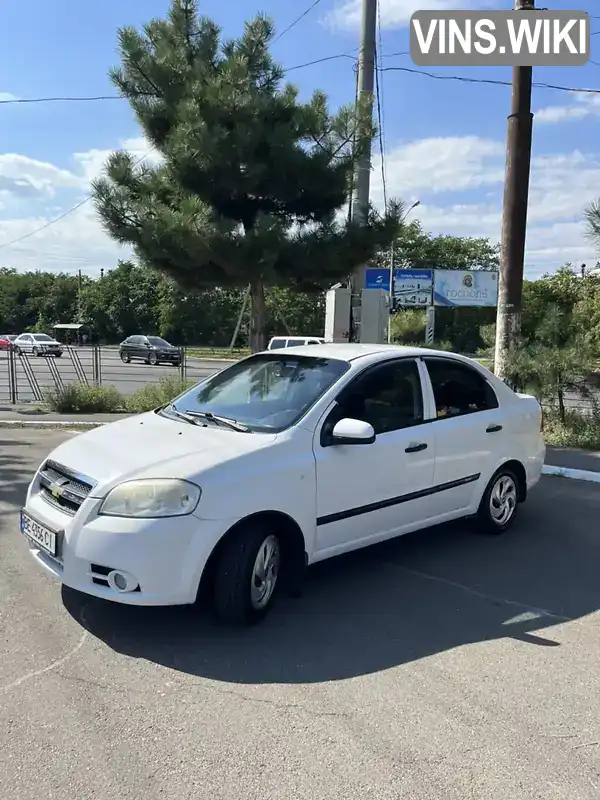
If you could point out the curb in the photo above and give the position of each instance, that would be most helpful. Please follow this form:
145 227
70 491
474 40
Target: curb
573 474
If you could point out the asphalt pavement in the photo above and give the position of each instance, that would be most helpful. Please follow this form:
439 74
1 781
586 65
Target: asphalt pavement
126 377
443 665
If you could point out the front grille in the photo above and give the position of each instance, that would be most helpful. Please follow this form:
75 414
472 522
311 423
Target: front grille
63 488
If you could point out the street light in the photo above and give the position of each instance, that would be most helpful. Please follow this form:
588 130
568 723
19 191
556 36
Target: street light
391 289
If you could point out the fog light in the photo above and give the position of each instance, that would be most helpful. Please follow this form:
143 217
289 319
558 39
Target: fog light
121 581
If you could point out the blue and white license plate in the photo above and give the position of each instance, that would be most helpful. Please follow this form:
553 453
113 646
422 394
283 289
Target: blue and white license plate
39 534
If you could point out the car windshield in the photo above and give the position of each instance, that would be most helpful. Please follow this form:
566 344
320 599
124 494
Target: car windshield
266 393
156 341
42 337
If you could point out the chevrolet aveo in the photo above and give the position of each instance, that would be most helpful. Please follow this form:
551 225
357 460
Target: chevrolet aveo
281 460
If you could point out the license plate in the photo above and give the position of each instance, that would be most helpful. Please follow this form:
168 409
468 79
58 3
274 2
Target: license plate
39 534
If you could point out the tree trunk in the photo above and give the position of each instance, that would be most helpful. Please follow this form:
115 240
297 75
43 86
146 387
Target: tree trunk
257 321
561 405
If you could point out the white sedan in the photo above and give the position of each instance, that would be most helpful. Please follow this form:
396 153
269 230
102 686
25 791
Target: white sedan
281 460
37 344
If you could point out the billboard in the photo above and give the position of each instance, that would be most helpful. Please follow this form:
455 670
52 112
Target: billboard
412 287
462 288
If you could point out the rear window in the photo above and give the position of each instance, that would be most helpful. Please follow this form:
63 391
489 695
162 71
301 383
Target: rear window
296 342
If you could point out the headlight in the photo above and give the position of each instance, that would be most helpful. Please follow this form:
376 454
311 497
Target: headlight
151 498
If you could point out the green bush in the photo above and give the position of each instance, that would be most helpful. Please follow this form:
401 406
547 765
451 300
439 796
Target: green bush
577 429
79 398
157 394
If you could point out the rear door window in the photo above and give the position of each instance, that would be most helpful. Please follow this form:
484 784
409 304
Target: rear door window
458 388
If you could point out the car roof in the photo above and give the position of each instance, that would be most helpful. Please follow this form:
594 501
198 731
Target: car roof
370 352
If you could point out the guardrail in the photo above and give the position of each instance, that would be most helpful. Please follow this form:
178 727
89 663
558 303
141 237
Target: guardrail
25 378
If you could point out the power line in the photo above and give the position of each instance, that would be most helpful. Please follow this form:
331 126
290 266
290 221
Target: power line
94 98
296 21
380 120
64 214
489 81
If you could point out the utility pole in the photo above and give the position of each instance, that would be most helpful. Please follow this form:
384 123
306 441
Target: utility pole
362 181
514 210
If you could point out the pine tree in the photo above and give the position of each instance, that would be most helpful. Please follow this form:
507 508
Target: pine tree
252 183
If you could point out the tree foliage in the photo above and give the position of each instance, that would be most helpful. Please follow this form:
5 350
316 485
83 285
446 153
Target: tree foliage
560 333
131 299
414 247
252 180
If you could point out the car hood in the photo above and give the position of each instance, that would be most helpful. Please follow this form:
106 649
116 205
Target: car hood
150 445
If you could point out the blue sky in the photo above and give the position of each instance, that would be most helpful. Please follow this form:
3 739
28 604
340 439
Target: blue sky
444 140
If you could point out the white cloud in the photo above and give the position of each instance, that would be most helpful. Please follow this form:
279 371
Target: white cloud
92 161
7 96
346 14
584 106
432 170
75 242
459 181
26 177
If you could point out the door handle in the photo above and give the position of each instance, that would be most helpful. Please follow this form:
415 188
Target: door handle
415 448
493 428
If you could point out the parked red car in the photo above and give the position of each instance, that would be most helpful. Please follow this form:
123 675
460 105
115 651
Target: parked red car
6 340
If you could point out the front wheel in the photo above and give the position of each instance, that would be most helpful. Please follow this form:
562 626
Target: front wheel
500 503
35 352
152 359
247 575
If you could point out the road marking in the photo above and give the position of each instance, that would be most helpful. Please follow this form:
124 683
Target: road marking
52 666
538 612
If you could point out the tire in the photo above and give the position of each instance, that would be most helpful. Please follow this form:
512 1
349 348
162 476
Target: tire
233 599
17 351
152 359
494 516
125 358
35 352
58 355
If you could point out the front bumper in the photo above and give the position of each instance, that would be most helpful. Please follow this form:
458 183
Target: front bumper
162 559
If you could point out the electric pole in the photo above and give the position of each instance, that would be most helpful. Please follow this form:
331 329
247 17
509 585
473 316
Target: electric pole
514 211
362 180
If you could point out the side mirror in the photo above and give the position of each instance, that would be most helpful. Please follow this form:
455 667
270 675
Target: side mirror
352 431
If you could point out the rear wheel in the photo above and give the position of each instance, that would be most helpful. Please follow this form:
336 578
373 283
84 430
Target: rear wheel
247 574
500 503
153 359
35 351
125 358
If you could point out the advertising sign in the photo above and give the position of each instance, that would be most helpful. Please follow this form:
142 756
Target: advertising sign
412 287
457 288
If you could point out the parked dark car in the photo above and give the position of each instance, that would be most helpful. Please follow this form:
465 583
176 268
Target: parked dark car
149 349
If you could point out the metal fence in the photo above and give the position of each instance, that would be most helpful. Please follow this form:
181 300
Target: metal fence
26 378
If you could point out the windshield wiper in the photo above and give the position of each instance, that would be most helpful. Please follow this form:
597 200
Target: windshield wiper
229 423
181 414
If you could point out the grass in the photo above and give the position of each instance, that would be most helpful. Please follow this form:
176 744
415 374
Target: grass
79 398
157 394
578 430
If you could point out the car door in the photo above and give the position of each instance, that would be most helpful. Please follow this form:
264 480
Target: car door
373 491
25 343
135 346
468 429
